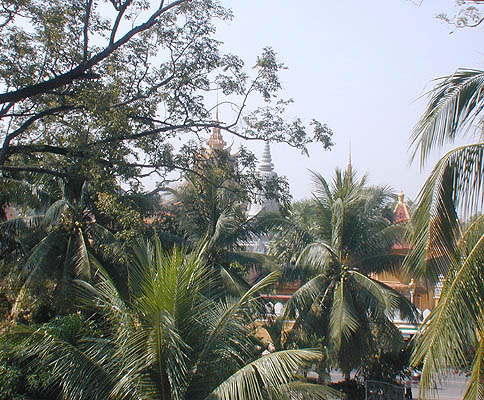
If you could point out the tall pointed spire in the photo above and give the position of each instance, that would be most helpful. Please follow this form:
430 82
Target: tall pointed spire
267 173
350 167
266 164
216 140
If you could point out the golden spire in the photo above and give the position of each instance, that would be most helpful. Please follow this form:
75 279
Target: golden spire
401 209
216 140
350 167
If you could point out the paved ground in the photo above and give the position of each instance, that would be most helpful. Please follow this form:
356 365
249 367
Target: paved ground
452 389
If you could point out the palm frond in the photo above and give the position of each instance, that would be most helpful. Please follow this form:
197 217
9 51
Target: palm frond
455 103
459 310
318 257
82 263
231 312
21 224
456 180
382 297
303 298
80 375
39 259
379 242
233 283
338 214
104 296
475 389
28 195
54 212
271 371
343 321
294 232
309 391
322 192
101 234
156 346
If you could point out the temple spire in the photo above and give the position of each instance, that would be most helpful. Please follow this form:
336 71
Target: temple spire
401 209
267 173
350 167
216 140
266 164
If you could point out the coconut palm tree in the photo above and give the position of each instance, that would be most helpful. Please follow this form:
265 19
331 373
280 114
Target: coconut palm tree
441 245
353 237
55 243
167 340
299 229
211 207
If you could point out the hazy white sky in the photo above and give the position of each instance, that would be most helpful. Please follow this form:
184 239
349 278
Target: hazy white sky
359 67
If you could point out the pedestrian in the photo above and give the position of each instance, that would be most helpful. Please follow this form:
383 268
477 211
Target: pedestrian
408 389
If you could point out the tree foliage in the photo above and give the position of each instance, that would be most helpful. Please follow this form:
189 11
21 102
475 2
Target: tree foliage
211 207
93 89
351 236
441 244
468 14
167 340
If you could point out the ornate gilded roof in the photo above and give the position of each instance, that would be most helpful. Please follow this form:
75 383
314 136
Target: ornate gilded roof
401 209
216 140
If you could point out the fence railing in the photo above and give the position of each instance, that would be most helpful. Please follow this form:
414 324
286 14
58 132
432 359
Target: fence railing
375 390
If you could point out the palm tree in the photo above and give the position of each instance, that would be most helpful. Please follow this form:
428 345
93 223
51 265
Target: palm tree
211 207
166 340
441 245
55 243
299 229
353 237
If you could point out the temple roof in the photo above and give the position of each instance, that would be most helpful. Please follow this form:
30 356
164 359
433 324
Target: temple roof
266 171
216 140
401 210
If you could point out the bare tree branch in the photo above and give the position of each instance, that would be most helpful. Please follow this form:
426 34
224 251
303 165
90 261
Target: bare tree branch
26 125
39 171
121 12
81 71
86 30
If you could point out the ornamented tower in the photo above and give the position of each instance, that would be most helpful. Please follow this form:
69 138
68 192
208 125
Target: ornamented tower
263 204
401 210
216 140
267 173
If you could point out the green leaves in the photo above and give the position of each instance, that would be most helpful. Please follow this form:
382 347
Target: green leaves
352 234
455 103
441 244
166 339
459 310
110 107
454 184
272 372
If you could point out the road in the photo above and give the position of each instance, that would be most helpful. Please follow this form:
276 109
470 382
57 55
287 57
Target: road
452 389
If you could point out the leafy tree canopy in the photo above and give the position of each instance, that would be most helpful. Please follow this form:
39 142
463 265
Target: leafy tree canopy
165 340
92 89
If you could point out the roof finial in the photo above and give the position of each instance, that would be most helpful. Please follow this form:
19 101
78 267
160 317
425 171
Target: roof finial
216 140
350 167
216 112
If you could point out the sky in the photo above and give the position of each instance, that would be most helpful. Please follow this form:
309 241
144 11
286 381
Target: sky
360 67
